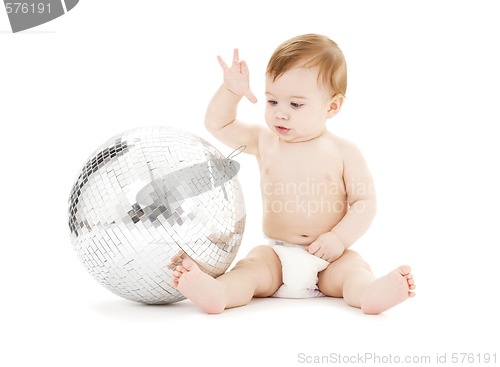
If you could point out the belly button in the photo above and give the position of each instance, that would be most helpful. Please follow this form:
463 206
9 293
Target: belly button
266 171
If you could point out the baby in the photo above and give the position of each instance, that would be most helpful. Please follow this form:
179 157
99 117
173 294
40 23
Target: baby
317 191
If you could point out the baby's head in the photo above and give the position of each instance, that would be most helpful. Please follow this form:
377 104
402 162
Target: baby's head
305 85
311 51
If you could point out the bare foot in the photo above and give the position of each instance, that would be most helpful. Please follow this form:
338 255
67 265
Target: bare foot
388 291
203 290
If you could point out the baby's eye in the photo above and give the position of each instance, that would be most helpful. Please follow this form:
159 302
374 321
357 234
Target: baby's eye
296 105
272 102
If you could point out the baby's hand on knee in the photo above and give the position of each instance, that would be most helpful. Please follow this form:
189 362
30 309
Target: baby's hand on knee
328 246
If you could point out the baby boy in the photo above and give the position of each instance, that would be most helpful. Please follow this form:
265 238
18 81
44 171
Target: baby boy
318 195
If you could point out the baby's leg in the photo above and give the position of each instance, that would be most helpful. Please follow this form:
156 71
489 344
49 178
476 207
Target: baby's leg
350 277
258 275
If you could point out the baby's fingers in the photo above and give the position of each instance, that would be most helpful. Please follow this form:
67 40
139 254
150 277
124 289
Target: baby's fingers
236 61
250 96
222 64
236 58
246 73
313 248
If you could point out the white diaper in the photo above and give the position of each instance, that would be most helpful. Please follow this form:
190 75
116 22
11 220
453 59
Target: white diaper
300 270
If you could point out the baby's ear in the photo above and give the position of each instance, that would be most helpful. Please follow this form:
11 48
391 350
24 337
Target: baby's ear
335 104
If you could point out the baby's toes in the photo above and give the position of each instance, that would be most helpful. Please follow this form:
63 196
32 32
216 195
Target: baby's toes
180 269
405 270
411 281
411 286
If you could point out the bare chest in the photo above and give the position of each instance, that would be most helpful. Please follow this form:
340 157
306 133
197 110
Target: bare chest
301 169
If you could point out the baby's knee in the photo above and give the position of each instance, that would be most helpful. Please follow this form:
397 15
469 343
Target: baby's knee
263 262
248 263
351 259
261 256
261 251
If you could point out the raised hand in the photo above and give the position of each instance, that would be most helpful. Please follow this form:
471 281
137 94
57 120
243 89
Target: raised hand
236 77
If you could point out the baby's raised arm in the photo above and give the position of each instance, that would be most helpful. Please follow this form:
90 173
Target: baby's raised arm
220 118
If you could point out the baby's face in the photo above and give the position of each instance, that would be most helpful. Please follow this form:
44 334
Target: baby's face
297 106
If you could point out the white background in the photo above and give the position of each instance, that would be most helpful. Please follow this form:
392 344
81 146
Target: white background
422 104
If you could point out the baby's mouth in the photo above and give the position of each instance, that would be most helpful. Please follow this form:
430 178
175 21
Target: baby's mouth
281 129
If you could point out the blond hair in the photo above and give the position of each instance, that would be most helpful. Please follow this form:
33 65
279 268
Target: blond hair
311 51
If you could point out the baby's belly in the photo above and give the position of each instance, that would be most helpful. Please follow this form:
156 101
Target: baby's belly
301 219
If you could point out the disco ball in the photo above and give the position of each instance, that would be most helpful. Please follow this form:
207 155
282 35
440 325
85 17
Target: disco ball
148 198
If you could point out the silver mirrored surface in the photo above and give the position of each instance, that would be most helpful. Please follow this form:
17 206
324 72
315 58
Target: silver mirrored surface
149 197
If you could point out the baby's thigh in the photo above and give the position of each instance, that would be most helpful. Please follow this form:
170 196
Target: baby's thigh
331 280
349 260
264 259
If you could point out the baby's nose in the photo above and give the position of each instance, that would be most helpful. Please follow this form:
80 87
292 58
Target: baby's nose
281 115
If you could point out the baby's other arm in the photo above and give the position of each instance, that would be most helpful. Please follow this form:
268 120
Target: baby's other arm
220 118
362 206
361 196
